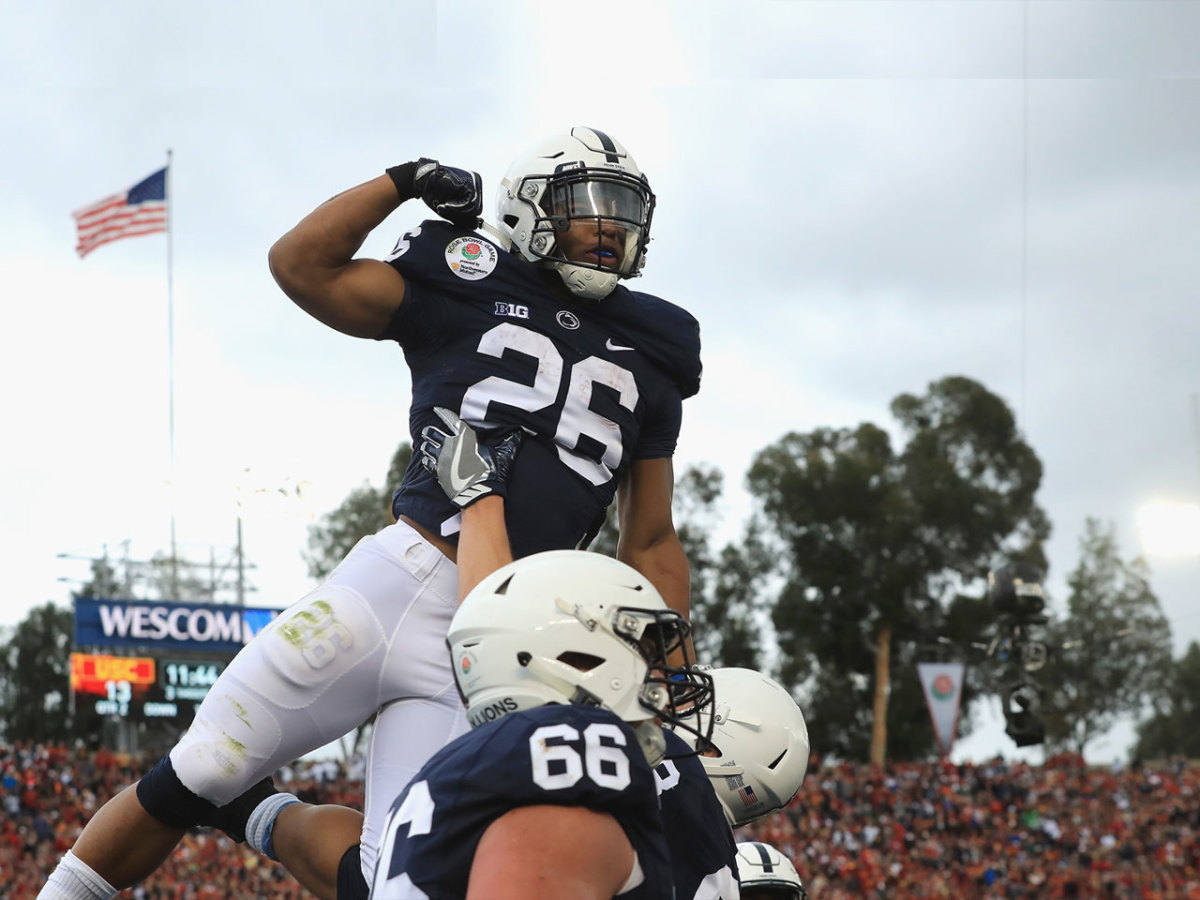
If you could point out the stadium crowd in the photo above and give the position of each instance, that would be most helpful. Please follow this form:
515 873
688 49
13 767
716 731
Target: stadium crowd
992 831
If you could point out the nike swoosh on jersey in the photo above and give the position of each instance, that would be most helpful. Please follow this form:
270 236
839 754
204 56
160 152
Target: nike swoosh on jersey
611 346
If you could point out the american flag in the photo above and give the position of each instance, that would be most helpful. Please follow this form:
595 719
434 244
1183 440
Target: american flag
140 210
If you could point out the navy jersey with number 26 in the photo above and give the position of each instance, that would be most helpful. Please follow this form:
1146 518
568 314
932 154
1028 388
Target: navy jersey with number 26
501 341
559 755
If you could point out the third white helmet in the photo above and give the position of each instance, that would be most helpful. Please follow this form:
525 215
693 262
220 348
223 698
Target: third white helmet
760 744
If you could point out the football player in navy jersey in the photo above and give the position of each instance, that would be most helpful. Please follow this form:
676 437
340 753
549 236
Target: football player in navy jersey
561 658
701 845
761 739
537 800
525 324
754 764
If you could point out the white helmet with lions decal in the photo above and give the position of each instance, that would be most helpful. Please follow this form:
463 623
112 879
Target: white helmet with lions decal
764 872
759 752
580 203
568 626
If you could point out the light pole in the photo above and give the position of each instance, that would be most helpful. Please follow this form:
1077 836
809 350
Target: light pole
287 495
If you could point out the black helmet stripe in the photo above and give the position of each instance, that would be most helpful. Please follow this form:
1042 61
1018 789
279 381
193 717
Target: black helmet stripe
766 858
610 149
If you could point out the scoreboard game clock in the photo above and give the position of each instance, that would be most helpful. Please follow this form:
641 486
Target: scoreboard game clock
142 687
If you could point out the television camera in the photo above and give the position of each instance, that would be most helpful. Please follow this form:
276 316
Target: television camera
1017 596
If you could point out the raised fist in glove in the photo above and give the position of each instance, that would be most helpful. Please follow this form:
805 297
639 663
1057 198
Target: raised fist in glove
454 194
468 466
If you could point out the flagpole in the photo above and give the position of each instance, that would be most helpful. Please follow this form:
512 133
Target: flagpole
171 386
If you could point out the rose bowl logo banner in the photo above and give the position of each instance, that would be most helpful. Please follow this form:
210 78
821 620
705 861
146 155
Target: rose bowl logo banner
942 683
219 627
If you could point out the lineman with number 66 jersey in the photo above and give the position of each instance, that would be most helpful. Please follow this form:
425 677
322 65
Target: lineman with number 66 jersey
561 659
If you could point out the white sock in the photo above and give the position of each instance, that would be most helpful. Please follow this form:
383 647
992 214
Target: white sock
262 822
73 879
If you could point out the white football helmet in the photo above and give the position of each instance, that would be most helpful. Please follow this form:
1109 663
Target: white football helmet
568 626
765 872
760 747
583 175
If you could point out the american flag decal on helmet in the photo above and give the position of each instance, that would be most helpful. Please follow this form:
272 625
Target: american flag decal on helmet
748 796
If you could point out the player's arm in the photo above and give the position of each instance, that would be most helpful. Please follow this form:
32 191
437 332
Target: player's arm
552 853
482 544
472 469
648 540
314 263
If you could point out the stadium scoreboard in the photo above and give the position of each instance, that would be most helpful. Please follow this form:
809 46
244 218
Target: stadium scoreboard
143 687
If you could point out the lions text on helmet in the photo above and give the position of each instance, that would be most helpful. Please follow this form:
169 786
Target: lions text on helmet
581 204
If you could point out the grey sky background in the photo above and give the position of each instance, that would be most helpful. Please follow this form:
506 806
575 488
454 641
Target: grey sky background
856 197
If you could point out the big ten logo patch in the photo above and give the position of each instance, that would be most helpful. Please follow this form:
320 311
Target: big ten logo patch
316 633
512 310
471 257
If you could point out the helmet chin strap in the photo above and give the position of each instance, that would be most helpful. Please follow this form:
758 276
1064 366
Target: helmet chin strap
590 284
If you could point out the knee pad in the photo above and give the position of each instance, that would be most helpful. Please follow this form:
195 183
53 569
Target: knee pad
351 885
164 796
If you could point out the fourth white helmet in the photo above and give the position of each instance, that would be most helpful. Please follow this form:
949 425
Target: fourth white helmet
764 872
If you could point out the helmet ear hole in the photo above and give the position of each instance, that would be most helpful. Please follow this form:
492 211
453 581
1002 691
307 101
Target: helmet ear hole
584 662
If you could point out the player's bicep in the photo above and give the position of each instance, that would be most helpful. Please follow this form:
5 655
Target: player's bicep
552 853
358 299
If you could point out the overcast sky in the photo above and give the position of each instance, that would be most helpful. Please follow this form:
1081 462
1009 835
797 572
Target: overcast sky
856 198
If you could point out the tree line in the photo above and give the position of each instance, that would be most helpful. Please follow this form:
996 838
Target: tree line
862 557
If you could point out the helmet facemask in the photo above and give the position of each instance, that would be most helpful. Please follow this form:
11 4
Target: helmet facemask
670 693
579 204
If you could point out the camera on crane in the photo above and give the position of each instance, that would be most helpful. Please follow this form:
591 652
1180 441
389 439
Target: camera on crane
1017 596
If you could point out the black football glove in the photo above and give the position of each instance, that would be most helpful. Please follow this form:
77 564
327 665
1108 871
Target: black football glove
454 194
467 469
